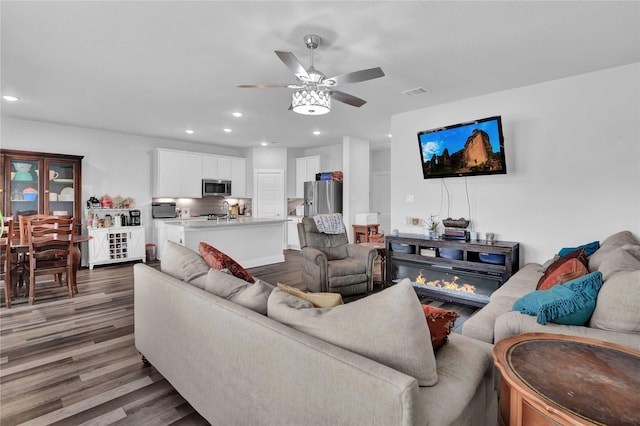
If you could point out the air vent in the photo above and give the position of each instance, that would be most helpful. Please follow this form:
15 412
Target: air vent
415 92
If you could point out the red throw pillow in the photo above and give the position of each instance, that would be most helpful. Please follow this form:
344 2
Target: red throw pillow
563 269
219 260
440 322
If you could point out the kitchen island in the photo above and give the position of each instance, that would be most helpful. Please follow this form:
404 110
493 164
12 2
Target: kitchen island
249 241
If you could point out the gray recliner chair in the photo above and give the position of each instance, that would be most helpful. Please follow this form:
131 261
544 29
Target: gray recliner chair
331 264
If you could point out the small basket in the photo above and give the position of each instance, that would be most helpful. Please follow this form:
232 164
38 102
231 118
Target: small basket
455 223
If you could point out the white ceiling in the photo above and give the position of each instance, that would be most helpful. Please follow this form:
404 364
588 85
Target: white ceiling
156 68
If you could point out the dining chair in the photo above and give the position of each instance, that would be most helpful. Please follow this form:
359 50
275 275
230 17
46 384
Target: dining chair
23 268
51 251
5 261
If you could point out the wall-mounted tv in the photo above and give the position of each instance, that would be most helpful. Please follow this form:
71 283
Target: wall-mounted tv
465 149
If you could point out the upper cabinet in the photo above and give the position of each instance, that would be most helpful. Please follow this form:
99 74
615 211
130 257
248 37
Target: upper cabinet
38 182
216 167
306 170
239 178
179 174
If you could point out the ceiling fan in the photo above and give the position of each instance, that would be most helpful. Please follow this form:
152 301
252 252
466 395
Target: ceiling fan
314 90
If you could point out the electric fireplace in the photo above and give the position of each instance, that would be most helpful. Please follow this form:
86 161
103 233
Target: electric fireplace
464 272
446 283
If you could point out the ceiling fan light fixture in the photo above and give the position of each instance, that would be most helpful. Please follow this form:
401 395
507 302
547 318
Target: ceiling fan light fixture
311 101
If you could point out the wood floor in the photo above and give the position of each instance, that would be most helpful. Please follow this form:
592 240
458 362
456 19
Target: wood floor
73 361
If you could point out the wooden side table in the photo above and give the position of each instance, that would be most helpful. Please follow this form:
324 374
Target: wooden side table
550 379
361 233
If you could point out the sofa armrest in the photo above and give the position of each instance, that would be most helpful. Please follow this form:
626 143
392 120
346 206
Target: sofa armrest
367 255
314 256
514 323
362 253
314 269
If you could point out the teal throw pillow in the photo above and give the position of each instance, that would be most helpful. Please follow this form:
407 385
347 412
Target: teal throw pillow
589 249
571 303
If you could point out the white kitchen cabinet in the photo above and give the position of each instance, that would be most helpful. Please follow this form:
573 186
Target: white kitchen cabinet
224 168
191 176
177 174
306 170
293 242
239 177
115 245
216 167
167 178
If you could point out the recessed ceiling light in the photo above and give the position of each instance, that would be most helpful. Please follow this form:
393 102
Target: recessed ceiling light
264 143
237 114
10 98
316 132
227 130
390 135
189 131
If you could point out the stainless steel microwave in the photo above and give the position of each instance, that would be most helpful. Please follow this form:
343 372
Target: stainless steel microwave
216 188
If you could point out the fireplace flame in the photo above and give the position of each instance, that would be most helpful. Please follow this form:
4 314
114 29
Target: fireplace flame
450 285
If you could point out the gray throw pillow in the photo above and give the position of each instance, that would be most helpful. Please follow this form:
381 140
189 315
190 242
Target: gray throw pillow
182 263
618 304
388 327
252 296
607 246
625 258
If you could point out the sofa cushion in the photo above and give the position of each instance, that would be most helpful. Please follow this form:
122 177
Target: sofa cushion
589 248
183 263
252 296
618 304
318 300
440 323
608 245
219 260
564 265
388 327
624 258
571 303
521 283
480 325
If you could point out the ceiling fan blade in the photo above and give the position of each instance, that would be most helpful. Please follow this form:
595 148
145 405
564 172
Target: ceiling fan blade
293 64
347 98
268 86
357 76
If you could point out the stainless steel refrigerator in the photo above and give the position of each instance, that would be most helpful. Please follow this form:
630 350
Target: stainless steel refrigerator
322 196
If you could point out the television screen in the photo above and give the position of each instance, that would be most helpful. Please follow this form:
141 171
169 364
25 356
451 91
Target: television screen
465 149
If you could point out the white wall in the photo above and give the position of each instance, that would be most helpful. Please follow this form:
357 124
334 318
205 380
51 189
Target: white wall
573 161
114 163
330 157
356 172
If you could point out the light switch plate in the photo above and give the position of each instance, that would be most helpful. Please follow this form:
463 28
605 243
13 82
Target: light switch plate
409 198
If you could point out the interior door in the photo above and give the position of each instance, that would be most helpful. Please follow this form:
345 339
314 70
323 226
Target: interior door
381 199
269 200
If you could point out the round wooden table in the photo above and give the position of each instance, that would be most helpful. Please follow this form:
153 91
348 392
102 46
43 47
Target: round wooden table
551 379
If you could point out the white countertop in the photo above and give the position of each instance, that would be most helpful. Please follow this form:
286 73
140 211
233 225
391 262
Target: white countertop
190 224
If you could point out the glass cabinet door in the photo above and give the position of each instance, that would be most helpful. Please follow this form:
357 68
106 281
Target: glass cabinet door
61 186
24 188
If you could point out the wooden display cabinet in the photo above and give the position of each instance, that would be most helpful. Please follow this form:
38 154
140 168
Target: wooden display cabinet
53 184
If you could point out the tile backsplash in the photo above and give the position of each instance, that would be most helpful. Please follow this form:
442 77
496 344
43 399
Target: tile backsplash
206 205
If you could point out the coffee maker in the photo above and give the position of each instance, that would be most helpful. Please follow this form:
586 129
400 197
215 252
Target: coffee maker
134 217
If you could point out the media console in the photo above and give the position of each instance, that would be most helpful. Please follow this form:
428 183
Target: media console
451 270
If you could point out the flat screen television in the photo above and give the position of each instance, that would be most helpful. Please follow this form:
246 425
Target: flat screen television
465 149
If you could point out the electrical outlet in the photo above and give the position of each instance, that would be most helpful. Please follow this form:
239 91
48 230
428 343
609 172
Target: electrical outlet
409 198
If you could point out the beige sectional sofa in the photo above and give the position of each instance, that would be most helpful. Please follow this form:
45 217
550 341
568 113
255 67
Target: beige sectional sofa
616 318
235 365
